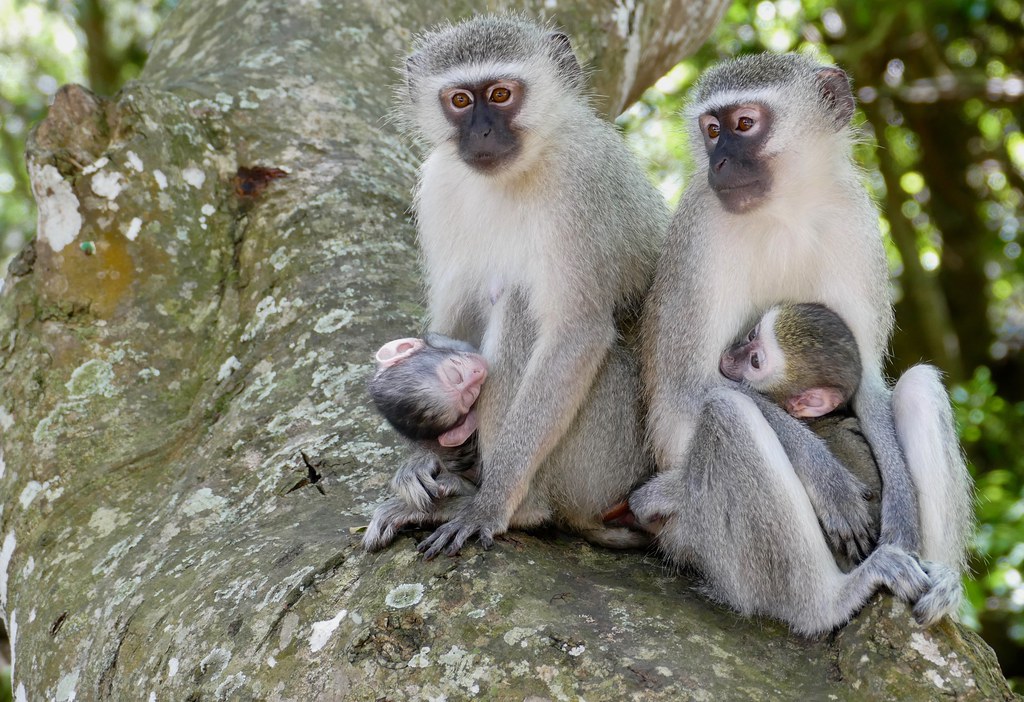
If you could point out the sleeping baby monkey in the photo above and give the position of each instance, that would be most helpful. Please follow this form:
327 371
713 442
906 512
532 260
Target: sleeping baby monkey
427 388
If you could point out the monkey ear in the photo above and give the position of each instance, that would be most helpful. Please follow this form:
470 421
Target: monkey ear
816 402
566 59
411 64
836 93
398 350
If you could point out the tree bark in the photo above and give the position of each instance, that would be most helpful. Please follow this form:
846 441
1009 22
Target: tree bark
187 450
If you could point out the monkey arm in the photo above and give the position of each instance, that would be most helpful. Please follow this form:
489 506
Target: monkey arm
839 498
557 379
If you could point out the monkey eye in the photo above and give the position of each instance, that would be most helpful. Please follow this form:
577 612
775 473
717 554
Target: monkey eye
755 361
713 131
500 95
752 335
745 124
461 100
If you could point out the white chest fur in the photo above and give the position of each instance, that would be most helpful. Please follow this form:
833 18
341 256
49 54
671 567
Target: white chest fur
479 237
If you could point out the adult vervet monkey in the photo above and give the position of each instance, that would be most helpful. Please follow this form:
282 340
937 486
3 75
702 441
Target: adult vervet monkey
525 194
782 216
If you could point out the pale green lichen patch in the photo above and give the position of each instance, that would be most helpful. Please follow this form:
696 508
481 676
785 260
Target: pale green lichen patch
202 500
405 595
93 377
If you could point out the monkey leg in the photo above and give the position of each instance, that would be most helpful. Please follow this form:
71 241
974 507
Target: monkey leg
739 514
926 431
873 406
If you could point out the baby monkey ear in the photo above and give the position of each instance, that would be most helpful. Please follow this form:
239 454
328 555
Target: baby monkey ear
816 402
398 350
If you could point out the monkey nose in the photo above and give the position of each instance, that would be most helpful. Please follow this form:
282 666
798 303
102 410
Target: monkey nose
720 164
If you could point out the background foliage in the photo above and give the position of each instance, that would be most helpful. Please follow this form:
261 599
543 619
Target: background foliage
940 90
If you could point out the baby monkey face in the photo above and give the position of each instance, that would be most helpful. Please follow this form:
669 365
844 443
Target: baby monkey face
460 377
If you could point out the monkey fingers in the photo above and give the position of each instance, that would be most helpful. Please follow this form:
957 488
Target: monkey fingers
450 537
943 596
414 480
848 528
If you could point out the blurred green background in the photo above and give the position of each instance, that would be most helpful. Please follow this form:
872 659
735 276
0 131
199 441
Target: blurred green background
940 86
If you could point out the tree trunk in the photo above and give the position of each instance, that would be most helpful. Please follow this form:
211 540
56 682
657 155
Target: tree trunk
187 447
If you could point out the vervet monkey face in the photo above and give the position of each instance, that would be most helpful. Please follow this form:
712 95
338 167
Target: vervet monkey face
754 359
484 115
738 170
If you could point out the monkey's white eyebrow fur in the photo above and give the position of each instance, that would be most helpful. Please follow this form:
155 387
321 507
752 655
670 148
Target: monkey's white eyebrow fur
766 96
479 72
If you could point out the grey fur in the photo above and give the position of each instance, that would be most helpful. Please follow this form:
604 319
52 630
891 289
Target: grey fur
717 272
602 222
507 38
592 468
839 498
735 516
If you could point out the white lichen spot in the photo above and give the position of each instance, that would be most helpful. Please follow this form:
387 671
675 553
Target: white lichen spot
149 373
279 259
59 220
29 568
160 178
207 209
172 667
928 649
224 100
663 671
935 679
6 552
134 162
134 227
476 614
227 368
32 615
193 176
864 658
215 662
3 466
576 651
6 419
66 687
405 595
108 184
202 500
152 697
333 321
420 659
322 631
95 166
517 636
20 695
31 491
104 520
271 661
93 377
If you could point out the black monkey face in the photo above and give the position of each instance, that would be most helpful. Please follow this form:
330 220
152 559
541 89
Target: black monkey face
484 114
738 171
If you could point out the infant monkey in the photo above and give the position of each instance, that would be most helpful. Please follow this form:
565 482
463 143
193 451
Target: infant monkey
425 389
804 357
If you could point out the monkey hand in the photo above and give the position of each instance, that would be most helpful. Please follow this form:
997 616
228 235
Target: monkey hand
843 513
415 481
386 522
470 521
